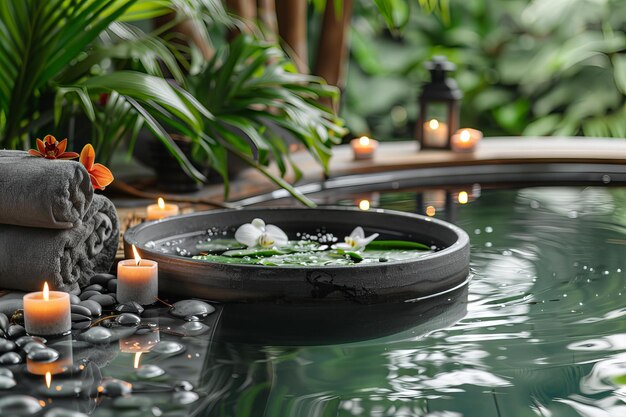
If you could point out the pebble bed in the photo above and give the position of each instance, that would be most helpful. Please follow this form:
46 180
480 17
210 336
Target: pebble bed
83 375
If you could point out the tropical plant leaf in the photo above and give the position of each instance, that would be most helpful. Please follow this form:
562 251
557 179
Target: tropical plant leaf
396 244
37 40
219 245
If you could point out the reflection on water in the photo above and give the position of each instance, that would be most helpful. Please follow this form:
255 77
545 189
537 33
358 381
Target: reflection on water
544 333
539 331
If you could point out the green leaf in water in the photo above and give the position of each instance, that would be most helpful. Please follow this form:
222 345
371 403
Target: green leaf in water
375 255
355 256
219 245
396 244
253 253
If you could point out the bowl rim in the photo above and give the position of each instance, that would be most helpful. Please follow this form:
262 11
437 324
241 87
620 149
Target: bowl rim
462 238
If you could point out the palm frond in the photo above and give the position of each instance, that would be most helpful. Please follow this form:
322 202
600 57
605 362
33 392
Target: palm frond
252 88
39 38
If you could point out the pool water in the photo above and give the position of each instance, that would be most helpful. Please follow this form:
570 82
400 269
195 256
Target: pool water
541 330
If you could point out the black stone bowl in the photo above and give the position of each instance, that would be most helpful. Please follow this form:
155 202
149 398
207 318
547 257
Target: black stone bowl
444 269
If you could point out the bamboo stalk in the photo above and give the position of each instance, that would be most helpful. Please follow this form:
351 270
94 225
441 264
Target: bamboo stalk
292 25
266 12
332 50
246 11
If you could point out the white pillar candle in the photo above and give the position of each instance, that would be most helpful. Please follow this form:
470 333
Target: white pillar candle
363 147
465 140
137 280
161 210
435 134
47 313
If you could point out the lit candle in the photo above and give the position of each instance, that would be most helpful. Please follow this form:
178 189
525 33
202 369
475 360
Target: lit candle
465 140
47 313
137 280
435 134
162 210
363 147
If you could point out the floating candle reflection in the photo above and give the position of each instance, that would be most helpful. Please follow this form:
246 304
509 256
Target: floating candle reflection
430 211
463 197
64 361
364 205
139 344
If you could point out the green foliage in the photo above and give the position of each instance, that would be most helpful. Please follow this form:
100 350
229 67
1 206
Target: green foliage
53 65
527 68
257 99
396 244
63 59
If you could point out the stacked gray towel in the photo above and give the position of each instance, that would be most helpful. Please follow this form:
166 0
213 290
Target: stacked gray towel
52 226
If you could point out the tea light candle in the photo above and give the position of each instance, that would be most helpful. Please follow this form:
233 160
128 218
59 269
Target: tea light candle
162 210
465 140
137 280
363 147
47 313
435 133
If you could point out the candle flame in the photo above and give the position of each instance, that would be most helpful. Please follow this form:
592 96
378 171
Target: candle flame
430 211
161 203
364 205
433 124
465 136
463 197
48 379
136 255
364 141
136 361
46 291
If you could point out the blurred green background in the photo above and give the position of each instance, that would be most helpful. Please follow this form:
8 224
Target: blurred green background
541 67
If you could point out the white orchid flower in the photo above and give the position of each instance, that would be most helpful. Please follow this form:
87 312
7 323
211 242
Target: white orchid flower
356 241
258 234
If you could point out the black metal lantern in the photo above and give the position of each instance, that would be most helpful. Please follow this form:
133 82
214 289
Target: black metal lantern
439 106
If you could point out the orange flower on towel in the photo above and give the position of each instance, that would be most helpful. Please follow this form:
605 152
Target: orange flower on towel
100 175
51 148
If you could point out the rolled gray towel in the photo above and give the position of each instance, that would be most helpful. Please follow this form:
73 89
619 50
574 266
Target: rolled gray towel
38 192
65 258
